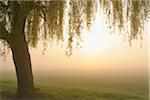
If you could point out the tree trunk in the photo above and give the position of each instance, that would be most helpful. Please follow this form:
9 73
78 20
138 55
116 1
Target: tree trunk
21 56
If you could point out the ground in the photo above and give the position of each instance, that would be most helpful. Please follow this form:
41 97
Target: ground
48 89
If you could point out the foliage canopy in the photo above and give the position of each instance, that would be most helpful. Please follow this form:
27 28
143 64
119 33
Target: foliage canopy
49 20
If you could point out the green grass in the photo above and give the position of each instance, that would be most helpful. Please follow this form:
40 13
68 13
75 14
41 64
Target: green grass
50 87
46 92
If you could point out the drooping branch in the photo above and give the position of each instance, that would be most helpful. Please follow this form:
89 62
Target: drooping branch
51 20
4 34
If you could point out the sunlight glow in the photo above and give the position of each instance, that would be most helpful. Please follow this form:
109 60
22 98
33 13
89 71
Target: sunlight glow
95 40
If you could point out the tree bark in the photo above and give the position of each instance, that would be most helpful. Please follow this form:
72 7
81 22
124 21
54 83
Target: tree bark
21 56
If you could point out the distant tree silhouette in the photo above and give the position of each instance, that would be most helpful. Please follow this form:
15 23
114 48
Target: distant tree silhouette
24 23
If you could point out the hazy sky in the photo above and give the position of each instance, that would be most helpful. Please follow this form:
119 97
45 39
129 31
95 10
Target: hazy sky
102 53
110 54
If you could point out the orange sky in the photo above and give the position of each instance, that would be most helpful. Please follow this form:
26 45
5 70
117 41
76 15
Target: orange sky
101 53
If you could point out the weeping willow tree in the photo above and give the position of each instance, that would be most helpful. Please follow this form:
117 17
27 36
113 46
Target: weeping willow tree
24 23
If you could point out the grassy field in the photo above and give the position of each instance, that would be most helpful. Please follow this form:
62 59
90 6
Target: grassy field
66 89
